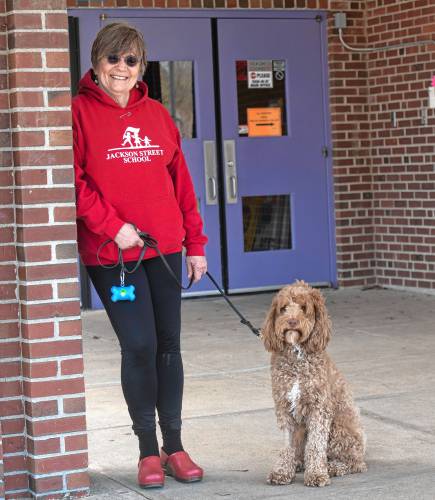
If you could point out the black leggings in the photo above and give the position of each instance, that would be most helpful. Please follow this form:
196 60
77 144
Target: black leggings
148 331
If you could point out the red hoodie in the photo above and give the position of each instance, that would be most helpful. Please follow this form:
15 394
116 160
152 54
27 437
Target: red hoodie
129 168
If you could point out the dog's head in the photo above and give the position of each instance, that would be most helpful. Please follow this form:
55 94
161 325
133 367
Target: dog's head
297 316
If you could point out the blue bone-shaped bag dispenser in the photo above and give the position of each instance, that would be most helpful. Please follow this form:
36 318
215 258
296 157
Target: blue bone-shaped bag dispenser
123 293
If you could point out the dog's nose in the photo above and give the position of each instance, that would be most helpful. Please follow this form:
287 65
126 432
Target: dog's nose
292 323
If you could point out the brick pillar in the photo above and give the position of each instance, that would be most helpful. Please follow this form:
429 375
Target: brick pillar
46 451
12 452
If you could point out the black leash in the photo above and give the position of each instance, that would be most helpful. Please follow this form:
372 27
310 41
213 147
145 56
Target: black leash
243 320
150 242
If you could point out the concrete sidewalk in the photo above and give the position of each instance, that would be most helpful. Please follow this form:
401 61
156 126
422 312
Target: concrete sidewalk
384 342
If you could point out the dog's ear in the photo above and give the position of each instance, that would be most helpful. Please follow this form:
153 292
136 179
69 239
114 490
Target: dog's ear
271 340
319 337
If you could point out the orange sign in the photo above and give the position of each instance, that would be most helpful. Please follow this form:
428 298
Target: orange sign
264 122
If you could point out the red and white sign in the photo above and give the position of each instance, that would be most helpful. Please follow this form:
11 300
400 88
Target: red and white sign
260 80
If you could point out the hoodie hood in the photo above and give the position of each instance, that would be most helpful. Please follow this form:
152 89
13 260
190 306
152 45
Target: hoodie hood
88 87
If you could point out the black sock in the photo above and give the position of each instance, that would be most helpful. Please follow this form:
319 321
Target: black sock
148 443
171 441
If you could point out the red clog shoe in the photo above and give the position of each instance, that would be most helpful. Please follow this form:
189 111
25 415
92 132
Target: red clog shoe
150 474
181 467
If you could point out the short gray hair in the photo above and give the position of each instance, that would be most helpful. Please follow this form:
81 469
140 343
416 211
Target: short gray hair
118 38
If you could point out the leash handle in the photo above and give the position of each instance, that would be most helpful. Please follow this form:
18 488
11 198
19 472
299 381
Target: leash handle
149 242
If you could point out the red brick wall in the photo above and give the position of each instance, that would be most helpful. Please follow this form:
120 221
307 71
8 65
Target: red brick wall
41 396
403 157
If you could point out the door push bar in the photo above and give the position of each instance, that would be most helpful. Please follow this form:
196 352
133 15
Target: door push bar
230 171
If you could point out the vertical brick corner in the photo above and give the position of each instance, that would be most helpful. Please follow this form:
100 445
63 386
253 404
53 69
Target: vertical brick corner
40 363
11 407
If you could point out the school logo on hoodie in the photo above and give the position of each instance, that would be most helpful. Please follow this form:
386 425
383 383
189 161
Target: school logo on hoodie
134 148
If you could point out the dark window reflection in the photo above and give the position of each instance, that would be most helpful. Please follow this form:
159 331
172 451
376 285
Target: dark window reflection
261 98
266 222
171 83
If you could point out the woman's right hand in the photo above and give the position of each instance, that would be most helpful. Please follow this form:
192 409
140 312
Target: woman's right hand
127 237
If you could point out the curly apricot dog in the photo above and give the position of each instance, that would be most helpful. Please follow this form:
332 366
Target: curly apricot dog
313 402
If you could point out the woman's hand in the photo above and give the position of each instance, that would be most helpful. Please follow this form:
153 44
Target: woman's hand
127 237
196 265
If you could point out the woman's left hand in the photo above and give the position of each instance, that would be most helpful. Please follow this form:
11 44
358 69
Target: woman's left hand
196 265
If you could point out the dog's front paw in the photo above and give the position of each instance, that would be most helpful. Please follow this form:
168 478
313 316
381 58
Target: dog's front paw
359 467
316 479
279 477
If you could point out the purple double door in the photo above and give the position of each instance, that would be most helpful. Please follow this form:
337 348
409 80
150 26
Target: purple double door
248 95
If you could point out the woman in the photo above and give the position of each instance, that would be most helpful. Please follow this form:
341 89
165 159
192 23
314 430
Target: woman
130 173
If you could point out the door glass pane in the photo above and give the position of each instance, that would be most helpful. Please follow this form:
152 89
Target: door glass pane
261 98
266 222
171 83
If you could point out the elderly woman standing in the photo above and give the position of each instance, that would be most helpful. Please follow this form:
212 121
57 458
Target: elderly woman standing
130 173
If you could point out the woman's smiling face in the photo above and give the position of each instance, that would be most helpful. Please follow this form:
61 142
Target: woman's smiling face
117 78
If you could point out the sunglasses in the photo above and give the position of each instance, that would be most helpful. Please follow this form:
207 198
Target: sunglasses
130 61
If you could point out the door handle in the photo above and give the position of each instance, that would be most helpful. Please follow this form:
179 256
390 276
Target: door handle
233 182
212 188
230 171
210 172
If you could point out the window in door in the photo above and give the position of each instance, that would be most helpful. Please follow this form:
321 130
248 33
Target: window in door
266 222
171 83
261 98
